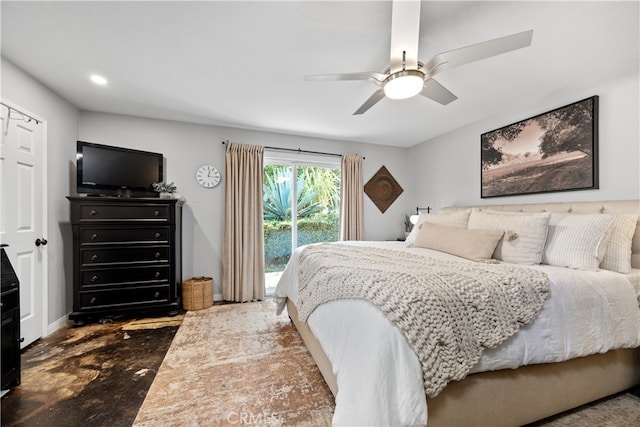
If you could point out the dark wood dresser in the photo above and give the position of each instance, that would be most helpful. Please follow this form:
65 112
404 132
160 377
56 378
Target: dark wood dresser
10 332
126 256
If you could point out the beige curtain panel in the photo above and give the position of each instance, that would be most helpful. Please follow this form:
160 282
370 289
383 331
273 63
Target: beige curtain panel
243 249
351 199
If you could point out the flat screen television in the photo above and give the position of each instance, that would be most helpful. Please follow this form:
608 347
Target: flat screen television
103 170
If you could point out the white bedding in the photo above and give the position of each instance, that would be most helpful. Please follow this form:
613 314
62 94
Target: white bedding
379 376
634 278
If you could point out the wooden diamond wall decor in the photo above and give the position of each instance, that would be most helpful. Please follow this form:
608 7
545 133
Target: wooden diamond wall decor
383 189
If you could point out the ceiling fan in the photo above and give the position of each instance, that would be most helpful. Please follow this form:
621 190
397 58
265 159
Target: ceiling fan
406 76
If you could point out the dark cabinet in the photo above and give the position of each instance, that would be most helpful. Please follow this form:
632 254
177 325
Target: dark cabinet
10 318
126 256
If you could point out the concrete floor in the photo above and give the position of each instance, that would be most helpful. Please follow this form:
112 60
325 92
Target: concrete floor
94 375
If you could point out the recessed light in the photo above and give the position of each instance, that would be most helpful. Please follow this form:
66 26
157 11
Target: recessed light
99 80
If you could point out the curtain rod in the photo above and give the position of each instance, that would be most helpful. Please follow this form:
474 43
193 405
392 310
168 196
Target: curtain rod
20 112
297 150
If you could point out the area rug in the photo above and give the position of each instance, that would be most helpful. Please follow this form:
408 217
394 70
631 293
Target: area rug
240 364
237 364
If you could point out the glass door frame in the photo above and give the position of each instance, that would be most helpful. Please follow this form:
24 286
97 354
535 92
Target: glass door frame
294 160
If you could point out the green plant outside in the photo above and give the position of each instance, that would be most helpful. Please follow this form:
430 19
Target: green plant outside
317 206
277 237
276 194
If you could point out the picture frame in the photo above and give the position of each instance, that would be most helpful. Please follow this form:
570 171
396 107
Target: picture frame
553 151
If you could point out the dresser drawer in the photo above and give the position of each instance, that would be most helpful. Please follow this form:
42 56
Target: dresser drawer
104 212
124 275
91 235
117 255
99 299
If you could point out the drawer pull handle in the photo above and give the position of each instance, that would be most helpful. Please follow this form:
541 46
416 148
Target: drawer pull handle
93 212
93 300
157 274
156 295
157 254
94 257
157 235
94 278
156 213
94 236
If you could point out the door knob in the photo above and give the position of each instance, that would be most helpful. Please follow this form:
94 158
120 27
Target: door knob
42 242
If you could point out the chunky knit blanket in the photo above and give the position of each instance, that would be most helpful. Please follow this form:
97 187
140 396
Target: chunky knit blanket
449 311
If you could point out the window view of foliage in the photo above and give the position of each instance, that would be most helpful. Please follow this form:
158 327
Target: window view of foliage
277 191
317 205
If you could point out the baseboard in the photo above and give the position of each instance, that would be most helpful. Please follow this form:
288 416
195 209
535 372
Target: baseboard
58 324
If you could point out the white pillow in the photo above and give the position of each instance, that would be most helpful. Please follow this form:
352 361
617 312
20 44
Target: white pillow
457 219
577 241
530 233
476 245
618 254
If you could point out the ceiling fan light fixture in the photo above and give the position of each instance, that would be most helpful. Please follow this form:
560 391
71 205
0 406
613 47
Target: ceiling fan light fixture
403 84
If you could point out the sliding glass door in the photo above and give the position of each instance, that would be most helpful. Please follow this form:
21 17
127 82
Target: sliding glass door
301 202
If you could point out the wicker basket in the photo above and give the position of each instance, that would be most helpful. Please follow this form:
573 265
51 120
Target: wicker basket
197 293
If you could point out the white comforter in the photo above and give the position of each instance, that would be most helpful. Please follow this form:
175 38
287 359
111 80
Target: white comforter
379 376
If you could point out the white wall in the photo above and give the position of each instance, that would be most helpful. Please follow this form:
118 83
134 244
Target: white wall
446 169
62 129
187 146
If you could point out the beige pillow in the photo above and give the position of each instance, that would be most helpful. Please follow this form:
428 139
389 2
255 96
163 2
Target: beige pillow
476 245
577 240
529 231
458 219
618 254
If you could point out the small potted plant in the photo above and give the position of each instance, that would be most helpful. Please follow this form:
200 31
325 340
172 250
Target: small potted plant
166 190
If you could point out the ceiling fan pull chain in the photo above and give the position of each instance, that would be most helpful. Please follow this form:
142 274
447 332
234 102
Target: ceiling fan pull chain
404 60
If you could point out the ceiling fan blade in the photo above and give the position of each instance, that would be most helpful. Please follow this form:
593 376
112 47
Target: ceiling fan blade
476 52
373 100
405 35
435 91
366 75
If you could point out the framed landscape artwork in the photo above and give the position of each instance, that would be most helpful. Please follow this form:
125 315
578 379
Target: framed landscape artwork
554 151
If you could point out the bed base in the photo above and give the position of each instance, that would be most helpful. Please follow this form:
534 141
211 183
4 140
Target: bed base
513 397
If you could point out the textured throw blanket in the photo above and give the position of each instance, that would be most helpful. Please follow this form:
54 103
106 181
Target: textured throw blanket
449 311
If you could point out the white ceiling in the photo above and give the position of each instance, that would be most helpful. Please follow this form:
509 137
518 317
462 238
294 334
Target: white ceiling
241 64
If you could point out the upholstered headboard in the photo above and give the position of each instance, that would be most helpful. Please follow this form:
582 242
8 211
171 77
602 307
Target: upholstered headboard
610 206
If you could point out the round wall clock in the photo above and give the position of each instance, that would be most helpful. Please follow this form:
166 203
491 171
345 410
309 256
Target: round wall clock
208 176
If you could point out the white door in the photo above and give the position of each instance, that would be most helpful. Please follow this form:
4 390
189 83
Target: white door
22 215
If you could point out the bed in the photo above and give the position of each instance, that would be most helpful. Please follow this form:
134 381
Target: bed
381 384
